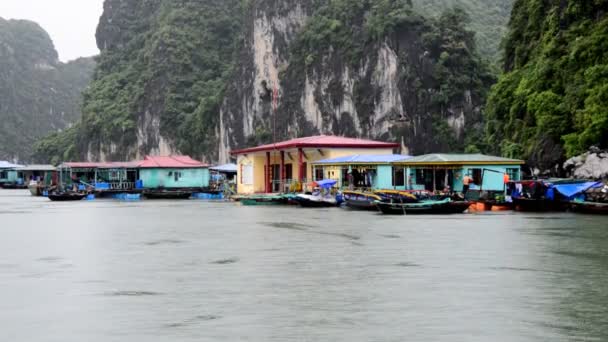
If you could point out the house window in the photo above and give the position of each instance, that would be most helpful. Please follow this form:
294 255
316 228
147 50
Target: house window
513 174
319 174
398 176
420 177
247 174
476 174
3 174
177 175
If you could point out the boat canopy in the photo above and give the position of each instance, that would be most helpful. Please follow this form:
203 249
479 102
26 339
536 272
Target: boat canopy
226 168
571 191
326 183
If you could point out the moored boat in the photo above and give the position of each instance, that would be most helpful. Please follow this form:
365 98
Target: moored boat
590 207
67 196
356 200
167 194
316 201
264 200
428 207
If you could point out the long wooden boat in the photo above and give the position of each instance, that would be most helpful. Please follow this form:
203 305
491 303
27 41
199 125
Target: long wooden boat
167 195
534 205
265 199
66 196
590 207
316 201
446 206
357 200
397 195
13 186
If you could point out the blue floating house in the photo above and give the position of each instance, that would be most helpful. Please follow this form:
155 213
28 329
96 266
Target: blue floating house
362 171
173 172
438 171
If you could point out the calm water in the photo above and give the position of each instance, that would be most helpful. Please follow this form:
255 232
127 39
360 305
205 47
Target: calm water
197 271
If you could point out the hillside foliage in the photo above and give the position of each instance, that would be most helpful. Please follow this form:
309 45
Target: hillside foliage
552 100
38 94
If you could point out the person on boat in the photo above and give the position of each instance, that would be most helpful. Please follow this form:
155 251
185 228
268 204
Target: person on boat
466 181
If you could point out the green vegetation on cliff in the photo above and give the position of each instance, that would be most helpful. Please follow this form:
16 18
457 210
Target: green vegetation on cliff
552 100
439 72
38 94
161 75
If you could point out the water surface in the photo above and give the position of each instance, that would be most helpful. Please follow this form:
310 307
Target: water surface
201 271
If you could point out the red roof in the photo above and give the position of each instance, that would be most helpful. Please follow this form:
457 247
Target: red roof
320 141
171 162
109 165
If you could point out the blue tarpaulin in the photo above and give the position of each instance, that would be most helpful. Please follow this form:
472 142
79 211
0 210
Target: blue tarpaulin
326 183
570 191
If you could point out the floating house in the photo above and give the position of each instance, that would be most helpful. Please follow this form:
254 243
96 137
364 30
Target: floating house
9 174
362 171
173 172
437 171
287 165
35 172
103 177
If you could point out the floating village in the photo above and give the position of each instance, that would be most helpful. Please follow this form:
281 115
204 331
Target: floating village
319 171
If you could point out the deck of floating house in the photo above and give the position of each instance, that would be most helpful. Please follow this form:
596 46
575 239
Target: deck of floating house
286 166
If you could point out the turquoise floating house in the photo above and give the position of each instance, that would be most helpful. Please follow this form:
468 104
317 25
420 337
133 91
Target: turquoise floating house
361 171
432 172
439 171
9 173
173 172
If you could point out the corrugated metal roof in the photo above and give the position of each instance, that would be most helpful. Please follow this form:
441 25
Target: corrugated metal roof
97 165
319 141
225 168
6 165
171 162
37 168
444 158
364 159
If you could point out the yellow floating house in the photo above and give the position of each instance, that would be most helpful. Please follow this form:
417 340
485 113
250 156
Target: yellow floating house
287 165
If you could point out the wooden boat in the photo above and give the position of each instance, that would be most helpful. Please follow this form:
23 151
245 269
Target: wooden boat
590 207
316 201
533 204
263 200
356 200
397 195
167 195
428 207
14 186
66 196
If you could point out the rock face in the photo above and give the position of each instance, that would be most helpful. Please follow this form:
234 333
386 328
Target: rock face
203 77
395 87
590 165
38 94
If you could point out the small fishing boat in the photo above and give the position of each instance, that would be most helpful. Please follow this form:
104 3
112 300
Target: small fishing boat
67 196
397 196
356 200
264 200
316 201
590 207
321 196
427 207
167 194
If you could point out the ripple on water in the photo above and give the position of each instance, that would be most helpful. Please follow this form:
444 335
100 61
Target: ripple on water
194 320
164 242
226 261
50 259
407 264
132 294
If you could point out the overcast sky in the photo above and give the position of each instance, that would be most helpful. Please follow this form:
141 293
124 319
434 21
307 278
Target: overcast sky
70 23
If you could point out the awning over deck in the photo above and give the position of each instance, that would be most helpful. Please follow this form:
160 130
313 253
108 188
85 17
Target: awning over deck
438 159
363 159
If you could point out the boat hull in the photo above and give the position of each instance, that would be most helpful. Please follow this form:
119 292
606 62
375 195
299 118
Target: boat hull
360 205
309 202
168 195
590 208
66 197
422 208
